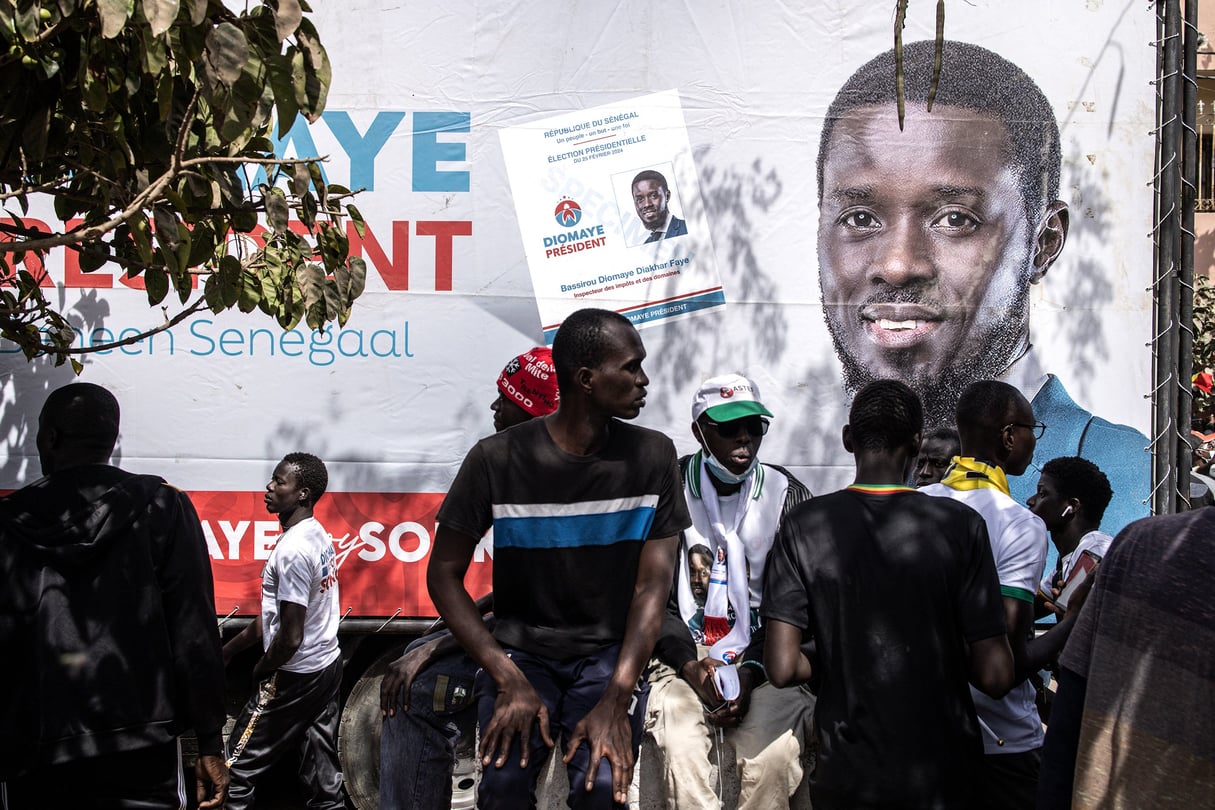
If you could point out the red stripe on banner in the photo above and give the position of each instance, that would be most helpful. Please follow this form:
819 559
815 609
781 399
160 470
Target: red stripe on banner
382 539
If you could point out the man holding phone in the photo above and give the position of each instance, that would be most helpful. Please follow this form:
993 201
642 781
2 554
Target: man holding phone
1071 500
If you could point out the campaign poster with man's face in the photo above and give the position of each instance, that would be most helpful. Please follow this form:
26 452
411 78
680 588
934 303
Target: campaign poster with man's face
1004 233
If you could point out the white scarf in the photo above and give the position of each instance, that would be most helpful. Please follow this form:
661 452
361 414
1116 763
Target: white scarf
756 519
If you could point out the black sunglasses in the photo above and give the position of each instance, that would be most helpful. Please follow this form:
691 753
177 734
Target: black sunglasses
755 425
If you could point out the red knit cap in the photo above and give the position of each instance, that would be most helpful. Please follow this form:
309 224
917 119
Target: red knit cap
530 381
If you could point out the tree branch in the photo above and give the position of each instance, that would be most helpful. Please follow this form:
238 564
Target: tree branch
198 305
141 201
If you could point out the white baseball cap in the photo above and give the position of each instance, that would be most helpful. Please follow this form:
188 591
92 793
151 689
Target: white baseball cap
728 397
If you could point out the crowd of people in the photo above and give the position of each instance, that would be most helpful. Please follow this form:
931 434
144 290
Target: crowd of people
883 633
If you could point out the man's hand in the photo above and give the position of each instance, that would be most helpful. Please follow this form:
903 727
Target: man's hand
211 778
607 732
394 688
1079 596
699 676
516 709
731 714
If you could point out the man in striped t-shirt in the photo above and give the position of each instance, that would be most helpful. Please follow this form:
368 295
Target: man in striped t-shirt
585 510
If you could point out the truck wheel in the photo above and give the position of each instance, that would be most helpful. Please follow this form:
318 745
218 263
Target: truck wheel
359 736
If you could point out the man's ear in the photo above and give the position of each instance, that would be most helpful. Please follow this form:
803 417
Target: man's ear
696 434
582 377
1051 236
847 438
305 495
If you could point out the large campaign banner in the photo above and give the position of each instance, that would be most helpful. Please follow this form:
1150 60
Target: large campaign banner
741 188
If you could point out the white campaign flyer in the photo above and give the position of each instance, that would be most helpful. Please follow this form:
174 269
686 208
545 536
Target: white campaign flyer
610 212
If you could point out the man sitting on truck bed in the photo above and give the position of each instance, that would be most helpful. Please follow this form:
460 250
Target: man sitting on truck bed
586 510
435 676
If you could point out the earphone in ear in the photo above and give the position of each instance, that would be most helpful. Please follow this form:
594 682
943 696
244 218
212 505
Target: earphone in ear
1067 511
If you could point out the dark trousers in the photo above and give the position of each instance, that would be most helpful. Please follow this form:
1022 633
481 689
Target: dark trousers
418 745
1010 781
569 690
144 779
302 717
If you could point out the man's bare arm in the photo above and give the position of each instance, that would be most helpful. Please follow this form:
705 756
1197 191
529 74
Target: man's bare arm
250 635
1033 654
518 705
991 666
784 660
606 727
286 641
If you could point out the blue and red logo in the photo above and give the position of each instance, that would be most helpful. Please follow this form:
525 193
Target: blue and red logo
568 213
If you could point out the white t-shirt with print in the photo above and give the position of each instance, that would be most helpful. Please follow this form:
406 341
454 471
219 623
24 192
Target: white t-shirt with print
1018 543
301 570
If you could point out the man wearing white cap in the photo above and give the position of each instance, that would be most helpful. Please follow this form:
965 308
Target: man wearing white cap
708 669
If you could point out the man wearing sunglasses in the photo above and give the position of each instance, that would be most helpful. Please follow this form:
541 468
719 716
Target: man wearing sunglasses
999 433
708 669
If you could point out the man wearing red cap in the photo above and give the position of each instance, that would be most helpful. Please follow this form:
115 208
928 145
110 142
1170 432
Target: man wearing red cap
432 683
708 673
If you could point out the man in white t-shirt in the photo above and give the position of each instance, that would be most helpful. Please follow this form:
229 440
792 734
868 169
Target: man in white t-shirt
295 704
998 432
1071 499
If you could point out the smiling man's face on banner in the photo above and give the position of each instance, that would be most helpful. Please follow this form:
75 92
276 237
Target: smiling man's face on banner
924 247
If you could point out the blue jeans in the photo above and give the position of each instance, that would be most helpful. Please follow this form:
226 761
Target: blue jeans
418 746
569 689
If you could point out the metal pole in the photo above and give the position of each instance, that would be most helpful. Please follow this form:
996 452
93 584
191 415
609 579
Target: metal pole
1165 232
1189 197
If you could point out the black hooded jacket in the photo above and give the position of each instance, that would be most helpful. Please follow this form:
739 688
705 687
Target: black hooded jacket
108 640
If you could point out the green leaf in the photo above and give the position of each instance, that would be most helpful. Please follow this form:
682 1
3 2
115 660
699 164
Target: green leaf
114 15
93 256
154 54
318 74
360 227
160 14
183 282
287 18
244 220
333 300
198 11
227 52
358 278
26 20
202 244
300 178
231 280
308 210
250 291
156 280
310 278
341 280
141 233
213 294
277 210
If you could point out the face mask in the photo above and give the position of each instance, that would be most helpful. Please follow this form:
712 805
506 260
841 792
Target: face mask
722 474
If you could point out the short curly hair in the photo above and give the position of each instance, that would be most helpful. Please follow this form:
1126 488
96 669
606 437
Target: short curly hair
885 414
582 342
312 474
1079 478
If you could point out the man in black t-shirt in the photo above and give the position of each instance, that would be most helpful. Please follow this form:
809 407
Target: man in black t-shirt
586 510
898 593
